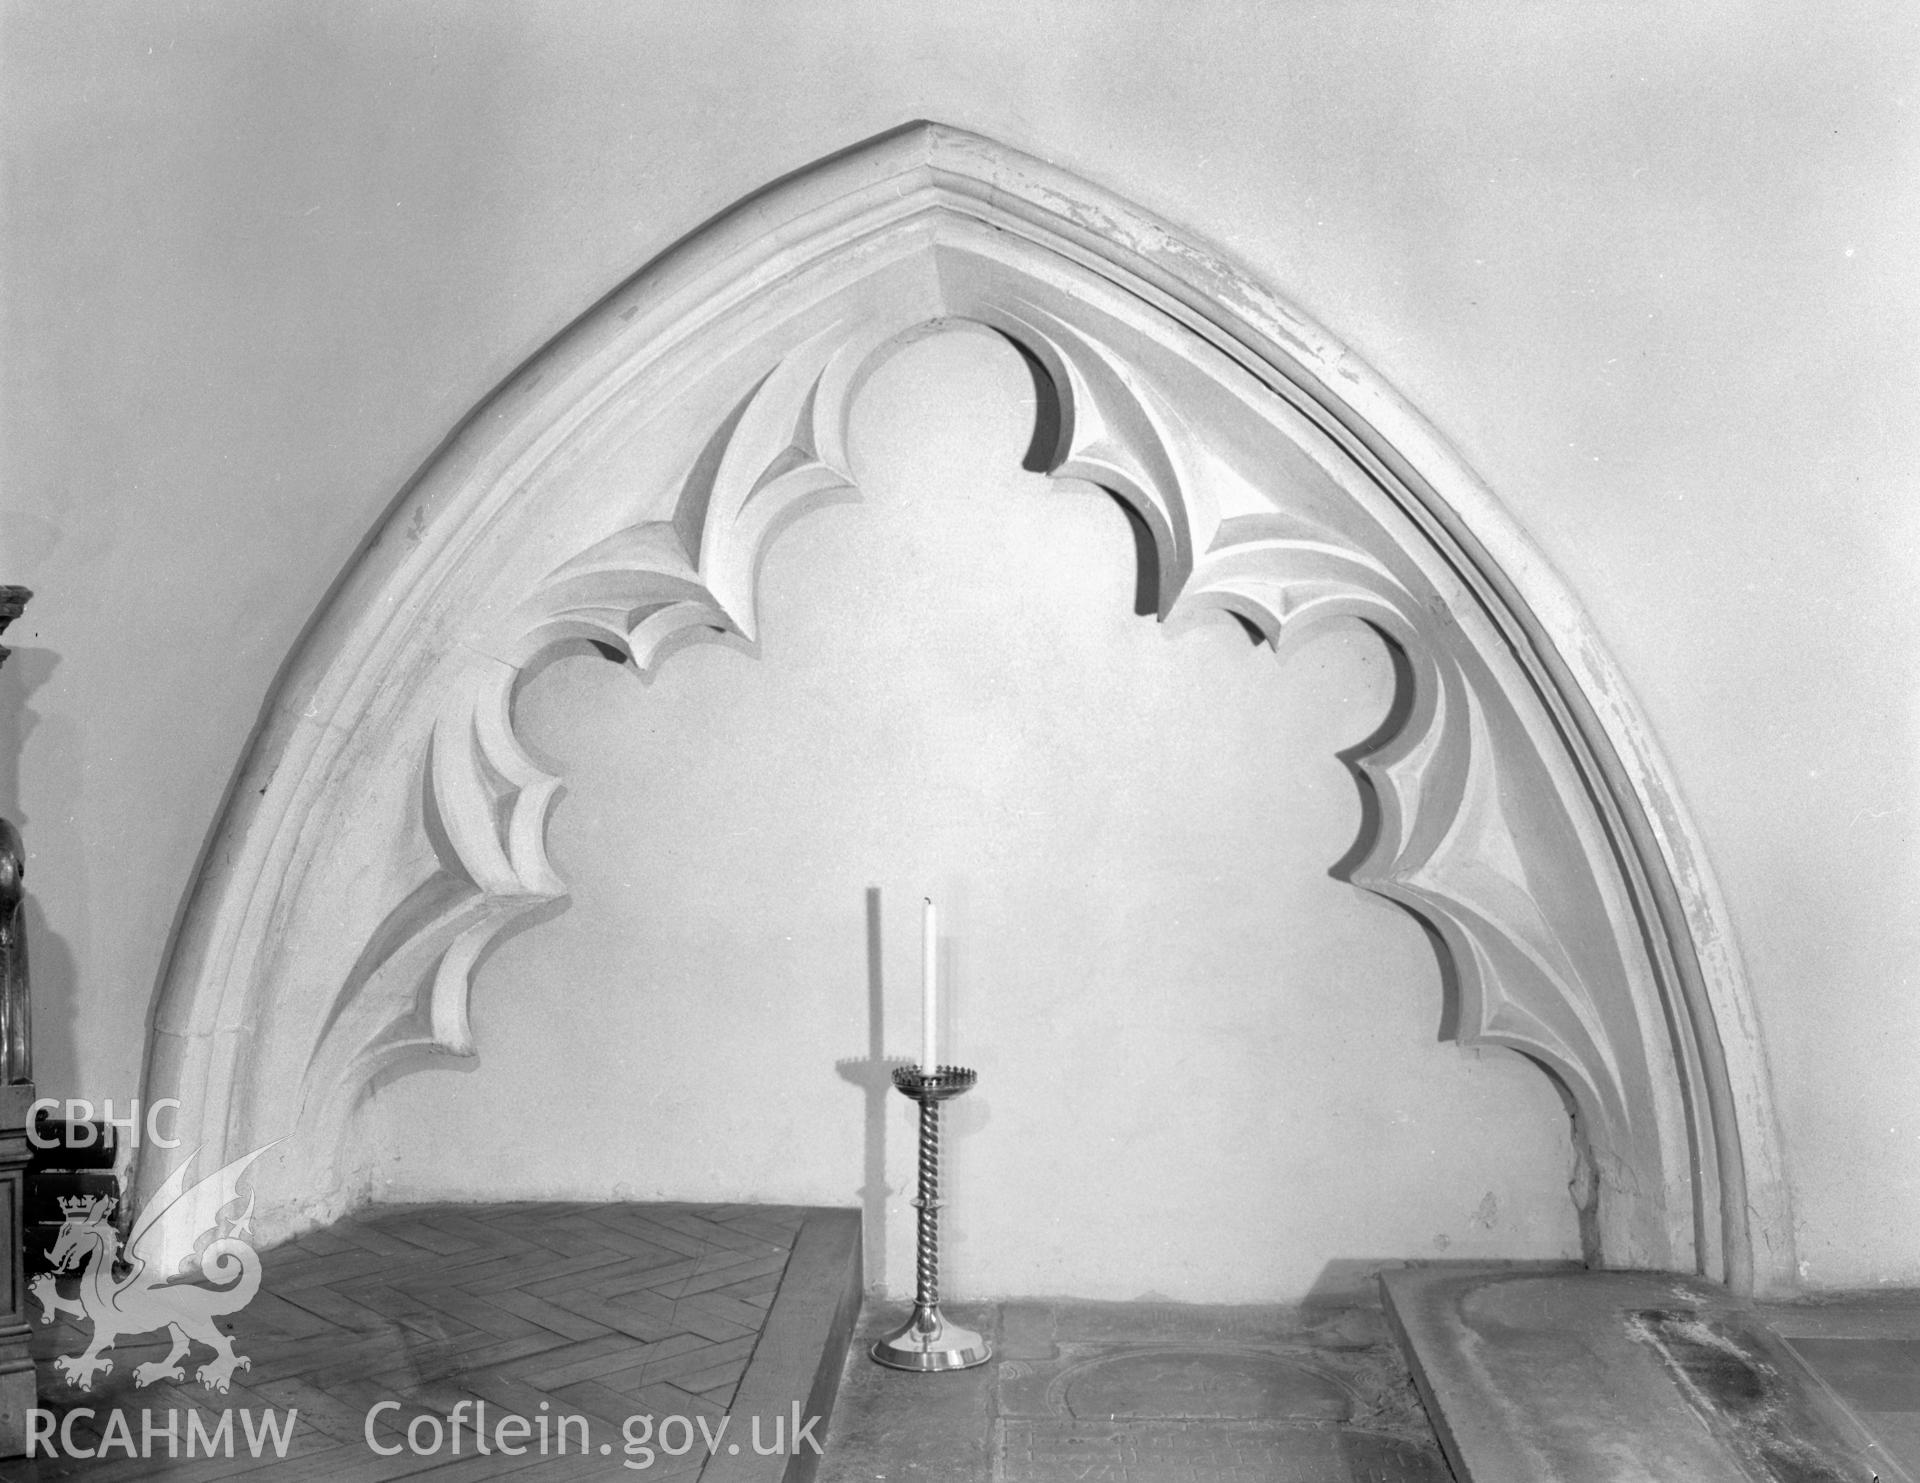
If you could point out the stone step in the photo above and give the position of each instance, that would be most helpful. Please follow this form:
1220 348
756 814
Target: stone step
801 1352
1561 1375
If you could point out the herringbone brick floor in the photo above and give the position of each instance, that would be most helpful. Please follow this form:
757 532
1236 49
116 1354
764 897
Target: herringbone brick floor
601 1312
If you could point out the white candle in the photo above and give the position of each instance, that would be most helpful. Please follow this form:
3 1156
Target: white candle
929 993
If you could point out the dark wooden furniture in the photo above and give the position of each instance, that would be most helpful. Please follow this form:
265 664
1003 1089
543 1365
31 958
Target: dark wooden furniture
16 1097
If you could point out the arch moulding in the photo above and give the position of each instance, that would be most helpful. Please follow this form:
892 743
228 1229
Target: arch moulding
387 825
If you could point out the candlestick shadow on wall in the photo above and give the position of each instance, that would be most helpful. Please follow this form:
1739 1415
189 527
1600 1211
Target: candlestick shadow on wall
873 1074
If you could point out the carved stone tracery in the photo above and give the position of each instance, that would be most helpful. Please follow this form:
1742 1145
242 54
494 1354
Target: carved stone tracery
624 488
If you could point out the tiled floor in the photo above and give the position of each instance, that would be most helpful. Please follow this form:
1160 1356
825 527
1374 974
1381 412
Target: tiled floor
592 1312
1141 1393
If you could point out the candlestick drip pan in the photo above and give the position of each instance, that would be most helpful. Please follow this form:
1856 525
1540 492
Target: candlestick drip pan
936 1085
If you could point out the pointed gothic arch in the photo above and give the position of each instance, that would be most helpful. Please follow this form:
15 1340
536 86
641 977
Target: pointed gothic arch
387 826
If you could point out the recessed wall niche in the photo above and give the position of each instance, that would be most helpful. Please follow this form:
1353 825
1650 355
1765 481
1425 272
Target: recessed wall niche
1208 1066
388 828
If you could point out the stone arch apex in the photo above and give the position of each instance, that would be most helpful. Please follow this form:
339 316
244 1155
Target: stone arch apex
387 826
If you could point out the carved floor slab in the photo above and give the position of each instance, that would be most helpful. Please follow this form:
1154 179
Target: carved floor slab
1187 1412
1146 1393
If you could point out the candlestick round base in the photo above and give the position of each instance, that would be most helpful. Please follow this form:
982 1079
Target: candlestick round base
928 1342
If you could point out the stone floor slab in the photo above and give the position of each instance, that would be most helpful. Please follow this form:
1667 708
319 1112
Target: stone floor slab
1562 1375
1142 1393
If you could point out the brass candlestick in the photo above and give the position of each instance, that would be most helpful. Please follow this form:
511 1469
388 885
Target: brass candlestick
928 1341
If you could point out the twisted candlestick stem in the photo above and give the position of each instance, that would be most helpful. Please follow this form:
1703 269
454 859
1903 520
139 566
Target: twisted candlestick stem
928 1270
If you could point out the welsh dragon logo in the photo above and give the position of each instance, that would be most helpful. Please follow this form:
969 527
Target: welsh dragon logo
175 1219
